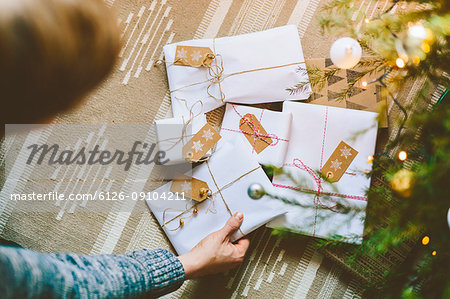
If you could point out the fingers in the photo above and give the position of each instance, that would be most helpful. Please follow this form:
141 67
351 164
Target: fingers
232 224
242 245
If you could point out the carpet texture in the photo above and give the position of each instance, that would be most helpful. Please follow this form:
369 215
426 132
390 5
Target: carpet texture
137 92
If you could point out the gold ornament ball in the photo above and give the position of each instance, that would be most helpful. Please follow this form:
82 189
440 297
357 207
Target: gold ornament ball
195 211
402 182
181 222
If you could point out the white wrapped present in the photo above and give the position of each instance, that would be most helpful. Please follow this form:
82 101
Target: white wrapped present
264 133
251 68
173 133
231 170
340 140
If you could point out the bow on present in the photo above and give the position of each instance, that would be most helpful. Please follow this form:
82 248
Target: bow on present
252 129
193 209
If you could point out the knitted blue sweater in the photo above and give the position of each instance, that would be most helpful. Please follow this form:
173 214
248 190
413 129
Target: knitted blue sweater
28 274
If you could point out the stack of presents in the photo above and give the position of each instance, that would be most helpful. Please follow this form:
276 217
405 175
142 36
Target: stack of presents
318 146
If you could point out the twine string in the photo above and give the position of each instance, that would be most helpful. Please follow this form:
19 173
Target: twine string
318 180
211 198
184 135
255 130
217 76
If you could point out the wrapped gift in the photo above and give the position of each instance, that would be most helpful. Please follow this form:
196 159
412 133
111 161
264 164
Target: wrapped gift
227 176
251 68
337 142
174 133
264 133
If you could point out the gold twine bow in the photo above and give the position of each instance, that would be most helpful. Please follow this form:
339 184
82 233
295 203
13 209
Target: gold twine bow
211 198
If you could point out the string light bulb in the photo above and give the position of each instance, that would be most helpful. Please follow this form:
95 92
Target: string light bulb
402 155
434 252
425 240
364 83
367 20
426 47
370 159
417 31
400 63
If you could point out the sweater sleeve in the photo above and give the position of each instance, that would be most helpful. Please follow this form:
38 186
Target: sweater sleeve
28 274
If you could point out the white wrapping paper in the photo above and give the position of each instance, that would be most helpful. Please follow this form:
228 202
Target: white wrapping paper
227 164
266 49
170 137
276 124
315 134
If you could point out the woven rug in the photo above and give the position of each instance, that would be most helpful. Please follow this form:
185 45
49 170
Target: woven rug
137 92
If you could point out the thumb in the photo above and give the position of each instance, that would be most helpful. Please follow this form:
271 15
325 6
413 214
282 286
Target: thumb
232 225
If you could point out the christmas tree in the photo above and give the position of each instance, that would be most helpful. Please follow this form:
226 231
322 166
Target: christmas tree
409 198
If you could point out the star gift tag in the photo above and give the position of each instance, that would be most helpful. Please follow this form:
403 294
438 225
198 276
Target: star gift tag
191 187
339 162
193 56
201 143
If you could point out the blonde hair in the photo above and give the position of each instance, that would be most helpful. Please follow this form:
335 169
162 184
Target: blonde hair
52 52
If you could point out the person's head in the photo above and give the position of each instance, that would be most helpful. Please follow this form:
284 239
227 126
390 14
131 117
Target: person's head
52 52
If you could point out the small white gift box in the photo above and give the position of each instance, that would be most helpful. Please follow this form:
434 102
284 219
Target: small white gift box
250 68
316 133
173 133
231 170
264 133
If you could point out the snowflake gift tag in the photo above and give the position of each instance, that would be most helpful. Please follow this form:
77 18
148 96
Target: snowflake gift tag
339 161
201 143
193 188
193 56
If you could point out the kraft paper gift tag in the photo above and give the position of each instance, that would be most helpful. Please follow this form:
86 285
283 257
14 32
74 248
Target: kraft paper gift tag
201 143
173 134
264 133
327 139
233 170
250 68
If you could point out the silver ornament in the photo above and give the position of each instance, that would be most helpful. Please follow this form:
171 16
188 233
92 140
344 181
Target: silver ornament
256 191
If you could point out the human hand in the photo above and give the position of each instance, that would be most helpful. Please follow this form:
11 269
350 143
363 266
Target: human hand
215 253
